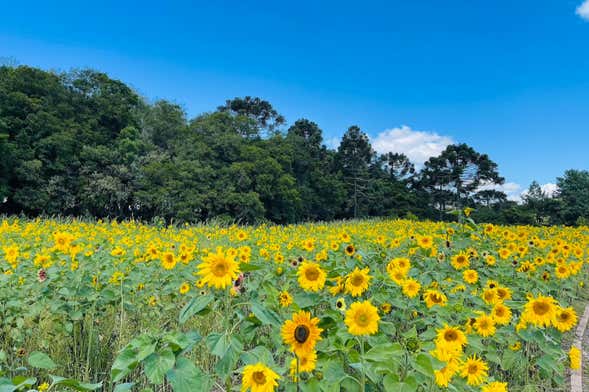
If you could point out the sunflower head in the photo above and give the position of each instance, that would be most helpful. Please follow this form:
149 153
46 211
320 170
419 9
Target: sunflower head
259 377
301 333
362 318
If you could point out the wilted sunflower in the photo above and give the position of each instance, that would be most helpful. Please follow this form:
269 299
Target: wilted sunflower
474 370
362 318
357 281
301 333
218 269
566 319
259 378
311 276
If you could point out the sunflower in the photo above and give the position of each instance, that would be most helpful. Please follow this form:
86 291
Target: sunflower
362 318
411 287
562 271
490 296
450 338
503 293
339 286
460 261
474 370
285 299
386 308
484 325
501 314
566 319
444 375
168 260
184 288
575 358
495 386
307 363
470 276
540 311
425 241
350 250
311 276
340 304
218 270
301 333
434 297
259 378
397 275
357 282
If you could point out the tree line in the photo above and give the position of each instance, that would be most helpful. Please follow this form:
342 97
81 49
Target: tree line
82 144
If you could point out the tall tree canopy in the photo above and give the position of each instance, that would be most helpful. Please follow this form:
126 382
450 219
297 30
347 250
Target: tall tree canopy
81 143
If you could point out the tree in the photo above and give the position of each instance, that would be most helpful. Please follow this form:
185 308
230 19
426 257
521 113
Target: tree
257 109
573 191
456 174
354 156
321 189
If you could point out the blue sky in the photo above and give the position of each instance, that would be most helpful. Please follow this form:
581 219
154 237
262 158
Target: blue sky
510 78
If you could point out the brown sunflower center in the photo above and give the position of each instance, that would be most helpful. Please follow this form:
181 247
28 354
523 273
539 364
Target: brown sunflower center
259 377
450 336
301 333
435 298
473 368
311 273
357 280
220 268
541 308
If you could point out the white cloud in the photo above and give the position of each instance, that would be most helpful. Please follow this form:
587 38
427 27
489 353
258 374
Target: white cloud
419 146
511 189
583 10
549 190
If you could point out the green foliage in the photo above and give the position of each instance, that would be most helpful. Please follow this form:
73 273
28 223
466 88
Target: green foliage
81 143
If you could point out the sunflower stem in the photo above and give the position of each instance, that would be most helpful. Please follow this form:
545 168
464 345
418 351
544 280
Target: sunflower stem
298 377
363 373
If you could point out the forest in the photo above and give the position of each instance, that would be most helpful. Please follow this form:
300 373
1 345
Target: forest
80 143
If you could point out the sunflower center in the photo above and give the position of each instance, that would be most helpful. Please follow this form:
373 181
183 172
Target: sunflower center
357 280
259 377
220 268
362 319
435 298
473 369
301 333
541 308
450 336
312 273
563 316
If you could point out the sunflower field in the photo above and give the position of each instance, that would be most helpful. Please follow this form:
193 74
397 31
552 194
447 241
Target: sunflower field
385 305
